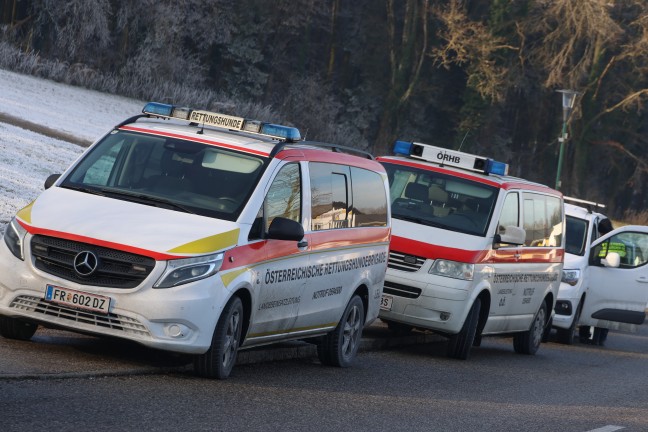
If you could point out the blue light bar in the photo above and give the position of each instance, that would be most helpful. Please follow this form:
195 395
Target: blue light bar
289 133
402 148
222 121
158 109
495 167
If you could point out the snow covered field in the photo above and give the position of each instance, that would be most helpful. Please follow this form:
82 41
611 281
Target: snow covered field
28 158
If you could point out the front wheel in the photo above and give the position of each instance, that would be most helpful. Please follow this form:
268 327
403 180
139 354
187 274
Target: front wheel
460 344
340 347
529 341
14 328
568 336
219 360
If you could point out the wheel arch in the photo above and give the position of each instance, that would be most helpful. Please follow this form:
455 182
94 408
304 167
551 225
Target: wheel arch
363 292
246 298
485 299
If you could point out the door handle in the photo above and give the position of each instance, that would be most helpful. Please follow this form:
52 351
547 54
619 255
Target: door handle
642 279
302 244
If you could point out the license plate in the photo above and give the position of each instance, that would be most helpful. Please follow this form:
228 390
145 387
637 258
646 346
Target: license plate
77 299
386 302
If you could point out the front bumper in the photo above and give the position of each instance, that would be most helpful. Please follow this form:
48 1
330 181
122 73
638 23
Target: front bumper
180 319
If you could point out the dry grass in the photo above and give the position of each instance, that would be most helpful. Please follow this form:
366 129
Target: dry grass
633 218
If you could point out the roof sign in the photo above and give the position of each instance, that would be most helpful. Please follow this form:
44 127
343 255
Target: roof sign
223 121
442 156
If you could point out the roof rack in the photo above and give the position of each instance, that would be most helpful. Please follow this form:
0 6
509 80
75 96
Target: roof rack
589 204
333 147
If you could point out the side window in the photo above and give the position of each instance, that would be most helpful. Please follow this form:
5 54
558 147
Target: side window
330 203
510 211
284 195
632 248
369 198
542 220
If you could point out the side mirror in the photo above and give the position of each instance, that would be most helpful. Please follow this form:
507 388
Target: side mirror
285 229
613 260
511 234
51 180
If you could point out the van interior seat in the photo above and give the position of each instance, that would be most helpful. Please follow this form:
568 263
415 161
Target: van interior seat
439 199
416 191
172 179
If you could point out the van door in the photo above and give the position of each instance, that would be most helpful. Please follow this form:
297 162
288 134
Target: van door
282 274
617 297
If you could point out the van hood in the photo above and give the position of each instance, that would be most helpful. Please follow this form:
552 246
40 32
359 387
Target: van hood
124 225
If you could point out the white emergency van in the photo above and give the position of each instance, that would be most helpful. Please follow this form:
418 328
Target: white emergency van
597 292
474 252
199 233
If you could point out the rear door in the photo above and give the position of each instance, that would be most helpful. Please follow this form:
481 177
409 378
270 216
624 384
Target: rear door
617 296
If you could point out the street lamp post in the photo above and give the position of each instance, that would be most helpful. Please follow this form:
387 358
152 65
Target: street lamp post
568 99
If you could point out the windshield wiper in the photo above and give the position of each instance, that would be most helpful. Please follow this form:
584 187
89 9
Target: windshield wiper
83 189
416 220
144 199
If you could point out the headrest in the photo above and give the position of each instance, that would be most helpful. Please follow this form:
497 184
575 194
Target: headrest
437 194
416 191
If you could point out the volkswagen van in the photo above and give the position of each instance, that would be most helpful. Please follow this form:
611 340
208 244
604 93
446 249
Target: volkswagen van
201 233
474 251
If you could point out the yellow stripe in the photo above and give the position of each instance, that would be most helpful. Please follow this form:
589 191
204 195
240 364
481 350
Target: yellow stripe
209 244
229 277
293 330
25 213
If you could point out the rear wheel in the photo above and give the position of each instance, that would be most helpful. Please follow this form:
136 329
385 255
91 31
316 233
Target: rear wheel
568 336
219 360
529 341
460 343
340 347
15 328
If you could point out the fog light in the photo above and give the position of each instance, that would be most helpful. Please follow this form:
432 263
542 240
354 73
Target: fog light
176 330
445 316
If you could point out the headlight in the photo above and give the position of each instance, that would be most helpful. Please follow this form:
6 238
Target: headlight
570 276
453 269
14 237
184 270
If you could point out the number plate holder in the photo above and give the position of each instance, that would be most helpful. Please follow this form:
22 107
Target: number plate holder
77 299
386 302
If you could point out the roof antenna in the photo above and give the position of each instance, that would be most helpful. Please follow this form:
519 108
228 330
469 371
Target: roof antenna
464 139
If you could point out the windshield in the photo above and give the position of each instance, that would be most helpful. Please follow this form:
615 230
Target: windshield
168 172
440 200
575 235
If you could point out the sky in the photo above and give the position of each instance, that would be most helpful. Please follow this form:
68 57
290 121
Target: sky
28 158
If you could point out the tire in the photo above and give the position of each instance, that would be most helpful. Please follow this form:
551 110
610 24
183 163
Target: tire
584 334
529 341
568 336
340 347
399 329
599 336
547 332
219 360
14 328
459 344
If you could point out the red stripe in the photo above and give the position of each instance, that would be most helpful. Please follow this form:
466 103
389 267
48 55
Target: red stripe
118 246
318 155
489 256
267 250
196 139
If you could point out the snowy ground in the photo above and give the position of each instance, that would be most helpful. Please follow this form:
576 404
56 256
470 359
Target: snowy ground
28 158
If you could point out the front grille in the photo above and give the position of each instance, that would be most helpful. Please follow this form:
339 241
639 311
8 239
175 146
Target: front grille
404 262
401 290
116 322
116 269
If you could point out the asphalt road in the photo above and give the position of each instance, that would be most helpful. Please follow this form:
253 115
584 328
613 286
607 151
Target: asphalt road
70 382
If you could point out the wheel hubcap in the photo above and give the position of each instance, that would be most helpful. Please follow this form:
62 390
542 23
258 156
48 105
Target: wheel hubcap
230 344
352 328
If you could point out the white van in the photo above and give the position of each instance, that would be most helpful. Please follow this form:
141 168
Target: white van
474 252
197 232
599 291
